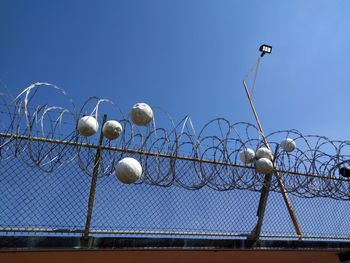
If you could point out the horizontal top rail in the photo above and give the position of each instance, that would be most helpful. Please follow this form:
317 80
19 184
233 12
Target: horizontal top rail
155 154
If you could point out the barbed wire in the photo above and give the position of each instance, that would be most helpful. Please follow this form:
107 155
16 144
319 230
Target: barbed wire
43 136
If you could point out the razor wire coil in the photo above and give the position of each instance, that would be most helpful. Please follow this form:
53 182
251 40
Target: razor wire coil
43 136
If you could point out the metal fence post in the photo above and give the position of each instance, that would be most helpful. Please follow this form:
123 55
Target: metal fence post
93 187
267 181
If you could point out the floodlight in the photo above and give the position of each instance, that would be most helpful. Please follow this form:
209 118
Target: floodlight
265 49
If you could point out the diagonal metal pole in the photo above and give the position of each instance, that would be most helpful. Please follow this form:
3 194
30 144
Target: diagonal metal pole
266 187
93 185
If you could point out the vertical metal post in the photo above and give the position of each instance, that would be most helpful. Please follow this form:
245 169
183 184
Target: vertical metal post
267 182
93 184
255 234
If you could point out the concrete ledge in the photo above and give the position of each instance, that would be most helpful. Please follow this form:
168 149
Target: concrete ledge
25 243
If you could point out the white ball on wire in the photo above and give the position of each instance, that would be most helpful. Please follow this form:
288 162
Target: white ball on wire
141 114
112 129
128 170
264 166
247 155
264 152
87 126
288 145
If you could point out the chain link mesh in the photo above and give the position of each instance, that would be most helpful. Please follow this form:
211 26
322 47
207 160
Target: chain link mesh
37 202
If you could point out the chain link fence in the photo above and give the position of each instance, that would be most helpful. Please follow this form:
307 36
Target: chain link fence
36 201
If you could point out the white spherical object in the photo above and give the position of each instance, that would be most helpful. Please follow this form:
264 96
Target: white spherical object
128 170
264 166
263 152
112 129
247 155
288 145
87 126
141 114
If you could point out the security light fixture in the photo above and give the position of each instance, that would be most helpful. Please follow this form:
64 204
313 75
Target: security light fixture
265 49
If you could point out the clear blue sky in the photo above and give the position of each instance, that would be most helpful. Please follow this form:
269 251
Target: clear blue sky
188 57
